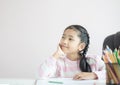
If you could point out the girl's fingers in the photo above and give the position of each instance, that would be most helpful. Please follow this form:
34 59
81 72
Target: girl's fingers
60 50
76 77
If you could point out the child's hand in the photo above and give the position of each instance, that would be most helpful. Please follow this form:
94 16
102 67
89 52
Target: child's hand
59 53
62 54
85 75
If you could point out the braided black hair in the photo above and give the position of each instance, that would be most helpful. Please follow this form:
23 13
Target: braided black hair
84 37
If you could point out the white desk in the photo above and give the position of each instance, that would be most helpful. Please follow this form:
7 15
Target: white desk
51 81
10 81
69 81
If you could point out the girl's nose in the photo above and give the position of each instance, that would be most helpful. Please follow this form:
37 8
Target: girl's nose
65 41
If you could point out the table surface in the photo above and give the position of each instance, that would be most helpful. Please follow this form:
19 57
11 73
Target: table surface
68 81
13 81
50 81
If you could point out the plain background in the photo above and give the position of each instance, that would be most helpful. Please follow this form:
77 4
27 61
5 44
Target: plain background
30 30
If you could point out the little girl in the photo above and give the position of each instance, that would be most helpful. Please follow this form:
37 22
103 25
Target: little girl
70 60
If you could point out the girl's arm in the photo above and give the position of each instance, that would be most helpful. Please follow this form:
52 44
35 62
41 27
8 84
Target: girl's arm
48 68
100 70
98 67
85 75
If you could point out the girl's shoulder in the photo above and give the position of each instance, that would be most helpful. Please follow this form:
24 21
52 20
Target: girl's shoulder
91 56
92 59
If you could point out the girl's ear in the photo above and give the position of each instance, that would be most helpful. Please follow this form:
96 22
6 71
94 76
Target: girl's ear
81 46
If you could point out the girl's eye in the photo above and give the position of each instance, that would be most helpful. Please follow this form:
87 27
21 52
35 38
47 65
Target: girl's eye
71 39
63 37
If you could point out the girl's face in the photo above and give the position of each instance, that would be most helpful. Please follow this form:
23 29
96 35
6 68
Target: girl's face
70 42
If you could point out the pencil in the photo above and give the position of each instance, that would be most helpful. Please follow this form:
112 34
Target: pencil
116 81
55 82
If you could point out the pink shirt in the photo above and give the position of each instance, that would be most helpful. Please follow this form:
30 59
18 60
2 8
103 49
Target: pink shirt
66 68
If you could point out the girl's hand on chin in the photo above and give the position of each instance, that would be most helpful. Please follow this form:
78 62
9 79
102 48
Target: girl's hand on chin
59 53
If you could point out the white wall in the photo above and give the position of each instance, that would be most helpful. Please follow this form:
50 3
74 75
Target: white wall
30 30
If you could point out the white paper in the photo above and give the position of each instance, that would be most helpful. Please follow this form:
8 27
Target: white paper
69 81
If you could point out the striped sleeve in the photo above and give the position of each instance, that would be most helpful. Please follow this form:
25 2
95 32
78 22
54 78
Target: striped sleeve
97 66
101 70
47 68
